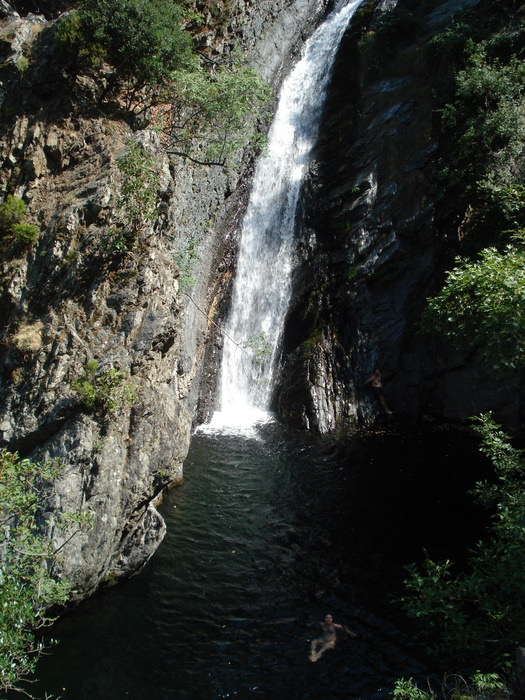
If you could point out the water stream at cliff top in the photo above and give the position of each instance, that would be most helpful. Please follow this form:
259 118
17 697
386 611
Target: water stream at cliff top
262 285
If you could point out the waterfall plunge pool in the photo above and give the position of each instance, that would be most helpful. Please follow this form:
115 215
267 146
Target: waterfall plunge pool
267 534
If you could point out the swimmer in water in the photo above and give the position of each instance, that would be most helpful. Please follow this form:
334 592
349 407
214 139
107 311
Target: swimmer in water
327 639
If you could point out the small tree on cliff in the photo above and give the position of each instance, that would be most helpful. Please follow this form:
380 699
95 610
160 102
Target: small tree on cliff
142 39
204 108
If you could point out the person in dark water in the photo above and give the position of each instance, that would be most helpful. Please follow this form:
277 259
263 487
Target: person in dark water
376 384
328 637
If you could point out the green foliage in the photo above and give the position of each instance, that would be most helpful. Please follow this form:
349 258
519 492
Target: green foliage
406 689
482 306
212 109
206 111
25 233
12 213
484 121
481 686
22 64
480 611
380 45
452 44
118 241
104 393
142 39
138 191
27 587
352 273
72 48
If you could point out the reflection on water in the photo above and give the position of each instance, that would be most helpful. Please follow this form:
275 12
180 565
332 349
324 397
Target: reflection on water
265 536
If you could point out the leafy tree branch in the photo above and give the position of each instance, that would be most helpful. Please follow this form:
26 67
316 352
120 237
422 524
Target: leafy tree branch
482 306
202 108
29 589
479 612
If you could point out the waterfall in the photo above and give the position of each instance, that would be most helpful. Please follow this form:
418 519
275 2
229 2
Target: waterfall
262 286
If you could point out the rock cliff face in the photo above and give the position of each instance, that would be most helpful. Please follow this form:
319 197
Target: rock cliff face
376 240
67 302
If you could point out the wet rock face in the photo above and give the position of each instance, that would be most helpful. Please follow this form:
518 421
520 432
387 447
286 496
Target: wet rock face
72 298
375 244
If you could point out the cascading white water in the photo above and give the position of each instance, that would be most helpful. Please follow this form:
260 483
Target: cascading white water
262 286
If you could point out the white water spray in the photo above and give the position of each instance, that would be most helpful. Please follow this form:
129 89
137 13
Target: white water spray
262 285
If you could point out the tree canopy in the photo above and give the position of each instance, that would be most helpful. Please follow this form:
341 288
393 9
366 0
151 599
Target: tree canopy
482 306
202 107
140 38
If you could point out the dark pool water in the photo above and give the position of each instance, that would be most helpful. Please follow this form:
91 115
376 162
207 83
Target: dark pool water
266 535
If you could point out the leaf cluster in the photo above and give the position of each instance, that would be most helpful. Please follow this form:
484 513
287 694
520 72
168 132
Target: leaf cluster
211 108
258 348
186 260
27 587
482 122
480 611
201 109
138 191
12 225
488 686
105 392
482 306
142 39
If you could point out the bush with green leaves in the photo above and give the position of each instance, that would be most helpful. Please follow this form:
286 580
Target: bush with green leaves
13 211
483 122
142 39
29 589
488 686
106 392
138 190
206 108
482 306
258 348
479 611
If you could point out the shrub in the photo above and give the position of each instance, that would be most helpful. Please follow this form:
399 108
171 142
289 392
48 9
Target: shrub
186 260
28 588
12 214
25 233
104 393
12 211
488 686
482 306
206 110
212 109
142 39
484 123
480 611
138 192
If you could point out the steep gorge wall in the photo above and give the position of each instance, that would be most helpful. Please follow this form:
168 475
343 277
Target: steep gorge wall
65 301
376 240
